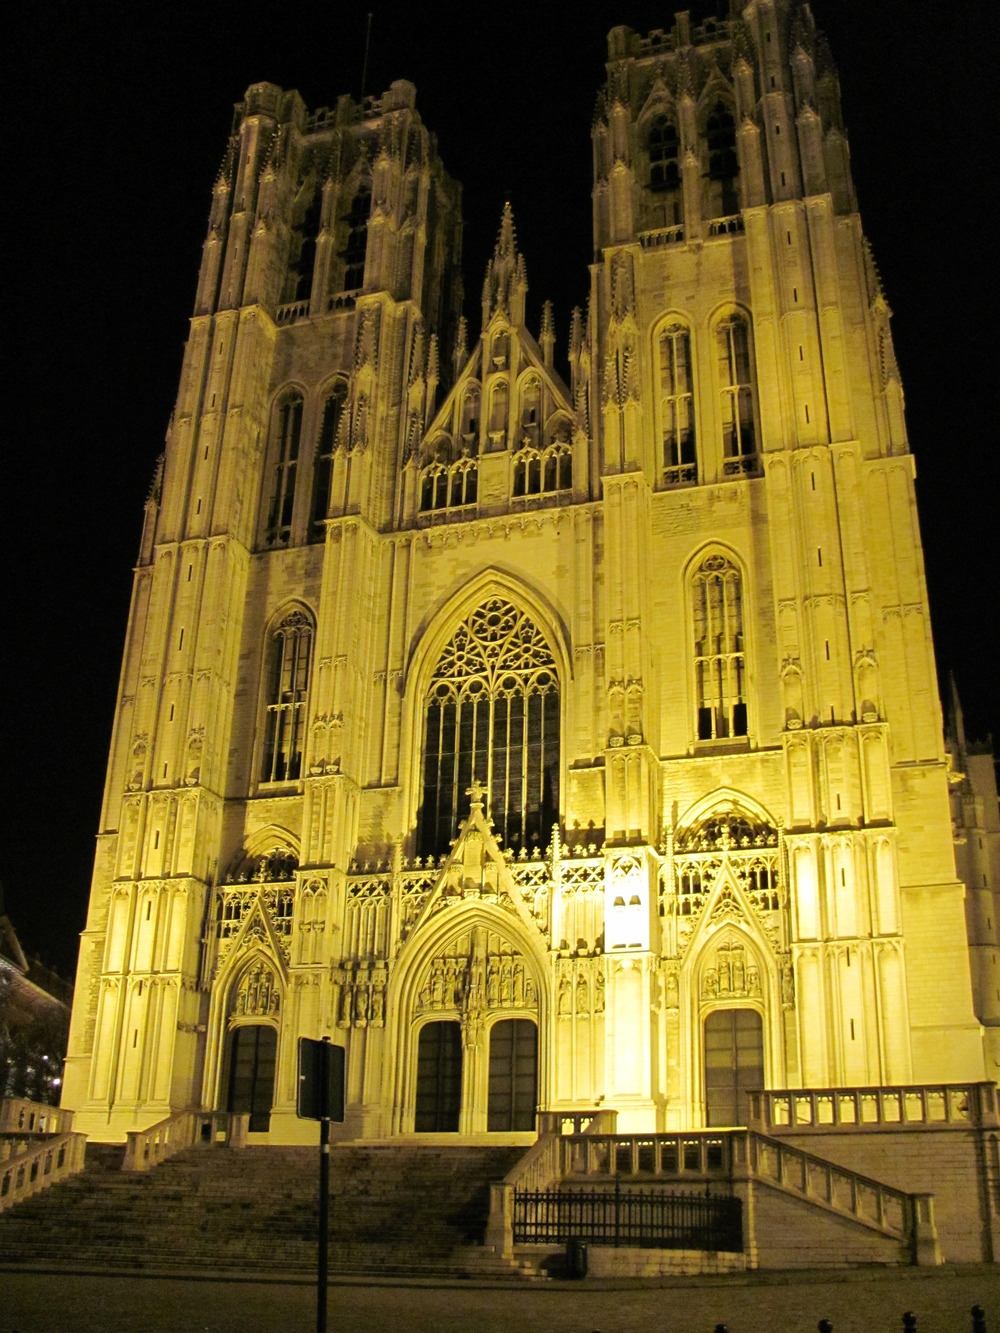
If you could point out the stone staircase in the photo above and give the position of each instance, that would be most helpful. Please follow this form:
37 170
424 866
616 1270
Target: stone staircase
395 1210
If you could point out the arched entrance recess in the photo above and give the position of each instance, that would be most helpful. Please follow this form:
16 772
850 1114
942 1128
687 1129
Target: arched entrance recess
469 971
250 1085
513 1078
734 1063
439 1078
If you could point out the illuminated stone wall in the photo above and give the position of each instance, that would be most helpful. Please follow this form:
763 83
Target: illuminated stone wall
676 603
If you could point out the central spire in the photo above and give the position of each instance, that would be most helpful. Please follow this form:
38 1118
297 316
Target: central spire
506 277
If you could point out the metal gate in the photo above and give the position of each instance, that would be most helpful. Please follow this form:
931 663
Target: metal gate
650 1219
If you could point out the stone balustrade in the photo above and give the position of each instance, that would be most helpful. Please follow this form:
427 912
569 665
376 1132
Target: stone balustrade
741 1158
907 1217
651 240
20 1116
577 1122
291 312
972 1105
40 1164
677 1157
146 1148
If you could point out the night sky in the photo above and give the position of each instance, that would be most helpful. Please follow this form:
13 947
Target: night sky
115 128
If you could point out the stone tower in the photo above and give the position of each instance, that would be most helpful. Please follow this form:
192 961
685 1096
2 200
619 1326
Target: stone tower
544 743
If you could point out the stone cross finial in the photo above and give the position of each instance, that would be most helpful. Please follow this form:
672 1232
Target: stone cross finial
477 791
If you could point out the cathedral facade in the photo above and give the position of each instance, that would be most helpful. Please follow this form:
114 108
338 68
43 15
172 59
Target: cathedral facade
547 742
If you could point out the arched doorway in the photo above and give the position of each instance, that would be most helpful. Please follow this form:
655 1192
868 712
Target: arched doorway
439 1079
250 1090
734 1064
513 1086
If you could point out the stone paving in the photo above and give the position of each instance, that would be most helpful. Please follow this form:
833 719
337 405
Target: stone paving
867 1302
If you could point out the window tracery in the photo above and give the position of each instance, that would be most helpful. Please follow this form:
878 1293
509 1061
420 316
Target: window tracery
287 432
719 658
492 715
664 155
540 471
723 164
356 247
333 410
677 406
285 690
739 436
447 484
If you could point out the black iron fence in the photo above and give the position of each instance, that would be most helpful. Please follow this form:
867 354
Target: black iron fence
648 1219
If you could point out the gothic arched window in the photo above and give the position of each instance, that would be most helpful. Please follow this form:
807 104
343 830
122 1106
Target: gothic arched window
492 715
723 164
333 410
357 239
739 437
286 686
719 656
677 406
285 451
664 151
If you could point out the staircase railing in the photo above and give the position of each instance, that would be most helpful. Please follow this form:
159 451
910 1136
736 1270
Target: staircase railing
39 1165
908 1218
907 1106
539 1169
701 1156
18 1115
146 1148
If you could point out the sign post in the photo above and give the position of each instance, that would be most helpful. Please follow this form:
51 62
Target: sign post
321 1097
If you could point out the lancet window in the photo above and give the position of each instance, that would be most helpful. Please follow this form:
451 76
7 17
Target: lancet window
723 164
664 153
286 687
531 407
739 435
357 239
302 259
333 410
287 431
719 654
492 717
677 406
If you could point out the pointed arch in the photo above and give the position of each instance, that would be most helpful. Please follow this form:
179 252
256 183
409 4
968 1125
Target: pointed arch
411 973
715 587
731 328
673 359
354 221
717 128
285 438
663 144
489 706
721 802
285 680
334 400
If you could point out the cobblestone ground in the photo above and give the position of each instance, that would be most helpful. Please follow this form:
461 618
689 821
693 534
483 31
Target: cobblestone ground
853 1303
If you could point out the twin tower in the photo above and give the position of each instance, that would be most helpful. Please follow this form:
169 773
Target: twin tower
545 741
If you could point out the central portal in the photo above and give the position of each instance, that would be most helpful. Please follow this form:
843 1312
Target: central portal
734 1064
513 1075
251 1073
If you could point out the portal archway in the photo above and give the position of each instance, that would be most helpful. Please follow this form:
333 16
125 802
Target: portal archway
252 1056
734 1064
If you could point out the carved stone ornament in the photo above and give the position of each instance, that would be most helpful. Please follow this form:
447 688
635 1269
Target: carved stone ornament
730 973
257 992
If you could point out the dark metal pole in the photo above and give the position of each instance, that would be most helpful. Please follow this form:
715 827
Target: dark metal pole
324 1223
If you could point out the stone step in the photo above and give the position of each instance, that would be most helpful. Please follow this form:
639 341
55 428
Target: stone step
393 1210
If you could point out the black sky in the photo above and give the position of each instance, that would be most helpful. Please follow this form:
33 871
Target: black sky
116 125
